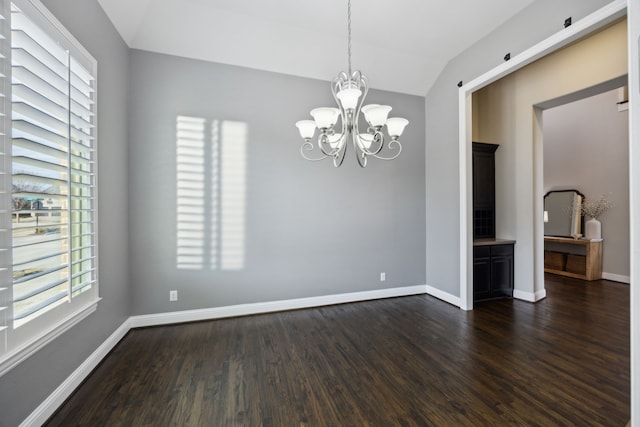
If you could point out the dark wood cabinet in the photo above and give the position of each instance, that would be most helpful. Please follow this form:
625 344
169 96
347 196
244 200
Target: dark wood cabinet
492 271
502 271
484 204
492 258
481 273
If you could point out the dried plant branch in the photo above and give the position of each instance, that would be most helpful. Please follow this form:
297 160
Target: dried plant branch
594 208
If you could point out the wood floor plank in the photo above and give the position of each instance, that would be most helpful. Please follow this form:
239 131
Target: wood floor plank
413 361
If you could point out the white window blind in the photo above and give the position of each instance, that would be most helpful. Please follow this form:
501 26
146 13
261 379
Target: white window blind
5 181
49 263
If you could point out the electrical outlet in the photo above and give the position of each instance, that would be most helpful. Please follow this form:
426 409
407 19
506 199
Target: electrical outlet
173 295
383 276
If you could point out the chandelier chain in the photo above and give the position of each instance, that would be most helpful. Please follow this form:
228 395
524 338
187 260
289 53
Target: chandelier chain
349 35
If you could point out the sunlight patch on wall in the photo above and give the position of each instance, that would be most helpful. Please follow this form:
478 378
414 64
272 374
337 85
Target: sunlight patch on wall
214 202
233 174
190 171
211 193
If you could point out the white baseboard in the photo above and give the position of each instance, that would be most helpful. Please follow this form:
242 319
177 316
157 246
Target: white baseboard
68 386
529 296
616 277
444 296
268 307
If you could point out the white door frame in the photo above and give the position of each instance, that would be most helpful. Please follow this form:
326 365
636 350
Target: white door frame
633 18
579 29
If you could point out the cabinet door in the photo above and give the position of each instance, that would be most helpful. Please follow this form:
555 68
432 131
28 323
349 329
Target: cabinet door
501 276
483 190
483 180
481 273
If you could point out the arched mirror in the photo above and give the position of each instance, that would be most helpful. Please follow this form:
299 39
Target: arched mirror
563 213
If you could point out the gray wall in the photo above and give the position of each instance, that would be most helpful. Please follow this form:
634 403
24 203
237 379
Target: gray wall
586 147
309 229
537 22
27 385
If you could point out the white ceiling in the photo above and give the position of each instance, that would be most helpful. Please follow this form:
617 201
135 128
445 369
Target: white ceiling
401 45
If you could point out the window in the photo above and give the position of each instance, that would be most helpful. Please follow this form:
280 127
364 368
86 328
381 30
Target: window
48 182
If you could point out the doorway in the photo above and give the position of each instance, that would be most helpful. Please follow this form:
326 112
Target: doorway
508 111
586 148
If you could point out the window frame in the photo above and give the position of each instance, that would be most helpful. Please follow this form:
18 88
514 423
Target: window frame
18 344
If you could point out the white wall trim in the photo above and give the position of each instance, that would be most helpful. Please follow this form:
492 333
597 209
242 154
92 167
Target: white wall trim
68 386
530 296
271 306
466 201
444 296
633 47
616 277
581 28
16 356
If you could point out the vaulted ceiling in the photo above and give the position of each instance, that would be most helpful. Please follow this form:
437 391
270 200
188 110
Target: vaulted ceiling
401 45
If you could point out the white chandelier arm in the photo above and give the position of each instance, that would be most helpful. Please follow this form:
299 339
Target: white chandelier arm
308 146
340 149
377 139
344 126
323 144
338 81
338 158
323 140
391 146
361 155
363 84
328 153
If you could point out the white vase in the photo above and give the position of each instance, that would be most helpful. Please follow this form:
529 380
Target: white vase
593 229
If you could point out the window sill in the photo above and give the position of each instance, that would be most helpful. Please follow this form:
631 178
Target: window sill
16 356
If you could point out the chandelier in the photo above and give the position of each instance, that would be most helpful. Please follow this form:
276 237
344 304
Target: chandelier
349 91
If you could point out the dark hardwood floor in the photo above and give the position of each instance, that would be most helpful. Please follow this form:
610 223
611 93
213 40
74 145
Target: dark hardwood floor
413 361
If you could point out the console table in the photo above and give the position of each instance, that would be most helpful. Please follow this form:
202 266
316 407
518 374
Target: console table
586 266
